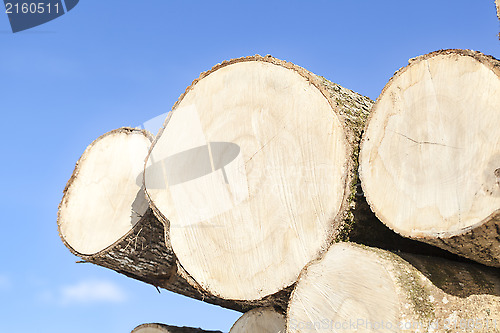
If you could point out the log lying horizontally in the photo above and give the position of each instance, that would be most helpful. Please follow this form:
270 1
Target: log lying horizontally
261 320
104 218
358 288
161 328
255 170
430 156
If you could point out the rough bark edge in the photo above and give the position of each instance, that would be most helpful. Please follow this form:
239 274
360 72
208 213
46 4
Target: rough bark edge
485 251
341 101
448 241
409 274
172 329
143 255
424 282
353 110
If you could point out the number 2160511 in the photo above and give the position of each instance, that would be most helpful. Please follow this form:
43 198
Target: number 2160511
31 8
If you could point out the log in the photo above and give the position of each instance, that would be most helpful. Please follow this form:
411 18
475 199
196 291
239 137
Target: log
104 218
359 288
254 173
262 320
162 328
430 155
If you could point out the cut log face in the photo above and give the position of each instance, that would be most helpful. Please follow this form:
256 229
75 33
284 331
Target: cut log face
161 328
102 200
252 171
363 289
430 155
262 320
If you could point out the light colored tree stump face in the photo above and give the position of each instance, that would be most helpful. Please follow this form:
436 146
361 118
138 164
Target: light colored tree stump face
261 320
250 172
150 329
430 159
347 290
104 201
161 328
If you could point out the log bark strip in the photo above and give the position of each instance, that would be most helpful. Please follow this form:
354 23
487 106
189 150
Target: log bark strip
430 155
138 250
261 320
255 173
358 288
162 328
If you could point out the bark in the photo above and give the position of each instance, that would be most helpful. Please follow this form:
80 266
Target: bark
368 230
430 162
162 328
262 320
354 287
143 255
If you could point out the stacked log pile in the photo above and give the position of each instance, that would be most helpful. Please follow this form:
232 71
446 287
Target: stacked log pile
249 197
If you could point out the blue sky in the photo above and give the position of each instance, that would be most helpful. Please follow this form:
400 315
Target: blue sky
108 64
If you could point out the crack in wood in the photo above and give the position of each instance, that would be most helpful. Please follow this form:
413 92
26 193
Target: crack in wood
424 142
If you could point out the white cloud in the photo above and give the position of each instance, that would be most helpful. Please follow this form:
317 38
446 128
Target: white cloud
90 291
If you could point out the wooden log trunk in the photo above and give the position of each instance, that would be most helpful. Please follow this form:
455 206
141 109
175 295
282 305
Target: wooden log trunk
261 320
358 288
162 328
104 218
430 155
254 173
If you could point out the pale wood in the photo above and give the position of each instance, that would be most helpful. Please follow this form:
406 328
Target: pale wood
261 320
162 328
497 3
103 201
430 155
254 172
103 219
357 287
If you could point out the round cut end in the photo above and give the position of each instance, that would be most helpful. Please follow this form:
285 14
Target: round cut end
431 151
250 171
104 198
161 328
262 320
151 328
347 290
